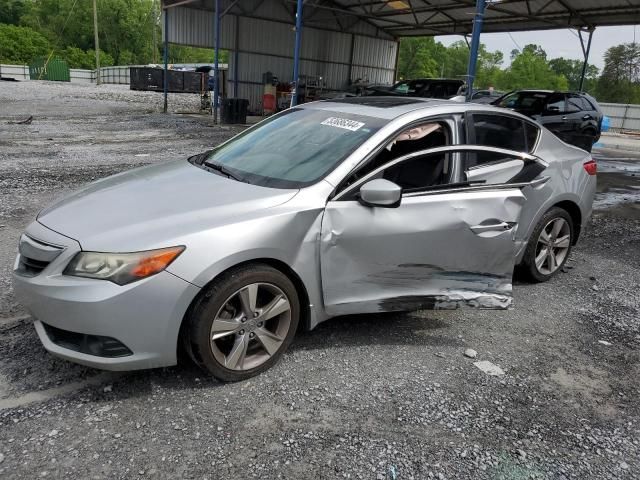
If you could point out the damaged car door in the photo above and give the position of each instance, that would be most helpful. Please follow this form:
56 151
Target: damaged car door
447 242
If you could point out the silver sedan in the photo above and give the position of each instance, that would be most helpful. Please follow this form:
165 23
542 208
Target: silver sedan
361 205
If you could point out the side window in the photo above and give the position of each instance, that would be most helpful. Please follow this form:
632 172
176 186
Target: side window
506 169
492 130
414 139
453 89
427 172
421 172
587 103
531 134
575 104
555 104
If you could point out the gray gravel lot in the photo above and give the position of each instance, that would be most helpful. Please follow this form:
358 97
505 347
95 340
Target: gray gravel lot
372 397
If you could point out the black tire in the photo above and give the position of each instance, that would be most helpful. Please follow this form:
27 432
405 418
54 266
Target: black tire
528 265
589 139
197 333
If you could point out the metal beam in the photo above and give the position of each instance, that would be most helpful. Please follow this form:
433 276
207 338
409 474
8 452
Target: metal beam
236 58
585 52
165 76
475 45
216 57
171 4
357 14
226 10
296 54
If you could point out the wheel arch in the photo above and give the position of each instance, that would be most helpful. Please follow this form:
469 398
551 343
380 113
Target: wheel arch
573 209
301 290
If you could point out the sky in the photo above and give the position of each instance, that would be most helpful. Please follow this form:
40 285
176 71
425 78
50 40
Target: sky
557 43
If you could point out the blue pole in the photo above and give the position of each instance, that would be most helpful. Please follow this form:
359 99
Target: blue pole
296 54
475 45
216 87
165 76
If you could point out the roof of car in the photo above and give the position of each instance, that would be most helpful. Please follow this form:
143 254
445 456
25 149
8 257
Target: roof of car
388 107
531 90
432 80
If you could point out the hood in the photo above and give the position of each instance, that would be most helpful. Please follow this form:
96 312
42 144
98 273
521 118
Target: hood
143 208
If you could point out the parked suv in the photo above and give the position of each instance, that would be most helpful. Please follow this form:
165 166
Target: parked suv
574 117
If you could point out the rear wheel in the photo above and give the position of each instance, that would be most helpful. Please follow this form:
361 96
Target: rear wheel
243 322
589 137
549 246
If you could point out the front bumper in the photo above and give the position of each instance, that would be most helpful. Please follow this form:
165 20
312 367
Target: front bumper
145 316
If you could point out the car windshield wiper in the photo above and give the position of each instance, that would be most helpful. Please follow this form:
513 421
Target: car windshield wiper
218 167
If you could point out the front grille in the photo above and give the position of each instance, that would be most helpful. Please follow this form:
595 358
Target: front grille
36 255
96 345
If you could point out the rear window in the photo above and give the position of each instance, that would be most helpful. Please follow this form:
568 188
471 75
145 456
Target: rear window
501 131
295 148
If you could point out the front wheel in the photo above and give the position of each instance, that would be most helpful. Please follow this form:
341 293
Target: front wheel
549 246
242 323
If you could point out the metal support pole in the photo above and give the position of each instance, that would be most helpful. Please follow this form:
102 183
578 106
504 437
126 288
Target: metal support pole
165 76
97 42
586 57
351 48
475 45
236 58
296 54
216 86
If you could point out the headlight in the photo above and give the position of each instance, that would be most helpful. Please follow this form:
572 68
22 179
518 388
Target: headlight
121 268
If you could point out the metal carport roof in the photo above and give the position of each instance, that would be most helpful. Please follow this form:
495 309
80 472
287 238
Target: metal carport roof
401 18
445 17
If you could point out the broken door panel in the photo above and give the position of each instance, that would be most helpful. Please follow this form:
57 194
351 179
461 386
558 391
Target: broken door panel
442 250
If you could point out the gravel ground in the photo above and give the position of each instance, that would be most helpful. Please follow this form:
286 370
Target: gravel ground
375 397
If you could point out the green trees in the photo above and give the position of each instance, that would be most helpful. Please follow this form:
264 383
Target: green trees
529 68
129 32
620 79
78 58
417 58
572 69
21 44
126 33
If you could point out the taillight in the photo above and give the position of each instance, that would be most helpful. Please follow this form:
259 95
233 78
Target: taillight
591 167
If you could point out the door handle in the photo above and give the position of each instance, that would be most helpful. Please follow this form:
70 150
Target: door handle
587 117
564 117
500 227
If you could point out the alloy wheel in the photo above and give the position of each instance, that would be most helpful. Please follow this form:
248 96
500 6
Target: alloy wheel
251 326
553 246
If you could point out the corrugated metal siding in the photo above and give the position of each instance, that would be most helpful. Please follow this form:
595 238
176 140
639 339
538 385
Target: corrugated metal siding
623 116
266 45
318 18
373 75
372 52
192 27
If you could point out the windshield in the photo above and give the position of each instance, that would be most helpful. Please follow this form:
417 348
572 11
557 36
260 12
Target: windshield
293 149
529 101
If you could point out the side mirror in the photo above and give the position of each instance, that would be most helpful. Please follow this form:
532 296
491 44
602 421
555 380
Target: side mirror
550 110
380 193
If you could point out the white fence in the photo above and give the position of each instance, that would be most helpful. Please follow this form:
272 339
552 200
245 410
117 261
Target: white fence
623 116
19 72
118 74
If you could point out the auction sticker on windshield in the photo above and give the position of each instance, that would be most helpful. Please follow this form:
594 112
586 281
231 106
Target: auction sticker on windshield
343 123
